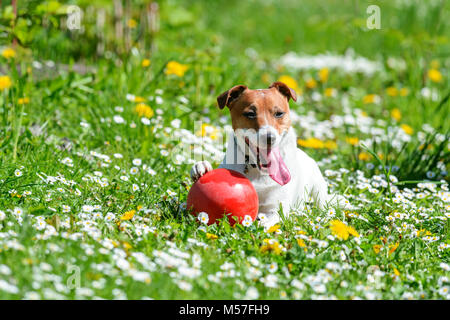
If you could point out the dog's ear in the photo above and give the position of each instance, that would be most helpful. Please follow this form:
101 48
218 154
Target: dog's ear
228 96
284 90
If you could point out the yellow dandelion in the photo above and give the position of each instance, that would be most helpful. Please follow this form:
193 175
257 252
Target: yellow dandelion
408 130
341 230
289 81
138 99
145 63
404 92
8 53
131 23
330 145
352 231
311 83
271 245
330 92
370 98
377 248
396 272
313 143
273 228
352 140
323 74
24 100
364 156
144 110
128 215
301 243
176 68
211 236
126 245
435 75
5 82
392 91
396 114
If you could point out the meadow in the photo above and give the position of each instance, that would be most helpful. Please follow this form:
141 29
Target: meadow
101 123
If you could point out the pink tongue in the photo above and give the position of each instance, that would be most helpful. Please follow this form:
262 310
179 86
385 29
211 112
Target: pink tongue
278 170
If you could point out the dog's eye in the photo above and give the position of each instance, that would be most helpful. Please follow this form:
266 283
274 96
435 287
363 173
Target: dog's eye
250 115
279 114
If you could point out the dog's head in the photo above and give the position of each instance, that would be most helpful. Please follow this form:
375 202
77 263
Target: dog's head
260 118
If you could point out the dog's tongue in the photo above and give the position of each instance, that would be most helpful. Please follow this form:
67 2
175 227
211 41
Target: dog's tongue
278 170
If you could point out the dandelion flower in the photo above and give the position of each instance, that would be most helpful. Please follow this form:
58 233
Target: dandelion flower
407 129
330 145
289 81
313 143
371 98
352 140
301 243
392 91
404 92
8 53
341 230
144 110
271 245
131 23
211 236
128 215
311 83
5 82
176 68
396 272
330 92
323 74
396 114
273 228
24 100
377 248
364 156
434 75
145 63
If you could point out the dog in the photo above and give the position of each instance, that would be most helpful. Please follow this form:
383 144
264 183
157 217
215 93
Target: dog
263 147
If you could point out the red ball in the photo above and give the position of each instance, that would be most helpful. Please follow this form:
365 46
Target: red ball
222 191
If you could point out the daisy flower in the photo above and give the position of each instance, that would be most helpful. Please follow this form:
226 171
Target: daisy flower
203 217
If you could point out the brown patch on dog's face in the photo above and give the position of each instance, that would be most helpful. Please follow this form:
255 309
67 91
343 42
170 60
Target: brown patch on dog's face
264 107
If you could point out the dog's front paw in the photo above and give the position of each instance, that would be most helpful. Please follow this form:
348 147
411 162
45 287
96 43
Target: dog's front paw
199 169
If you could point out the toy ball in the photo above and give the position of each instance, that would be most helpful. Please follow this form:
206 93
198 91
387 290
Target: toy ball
223 192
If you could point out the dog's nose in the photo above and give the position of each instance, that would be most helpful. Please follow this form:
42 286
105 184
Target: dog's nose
268 138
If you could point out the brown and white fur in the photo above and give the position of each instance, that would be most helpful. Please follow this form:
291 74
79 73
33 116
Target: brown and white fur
261 124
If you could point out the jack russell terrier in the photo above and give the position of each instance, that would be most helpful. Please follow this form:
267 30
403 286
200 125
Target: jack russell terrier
263 147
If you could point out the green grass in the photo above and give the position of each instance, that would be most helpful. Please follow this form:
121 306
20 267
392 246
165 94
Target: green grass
398 184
